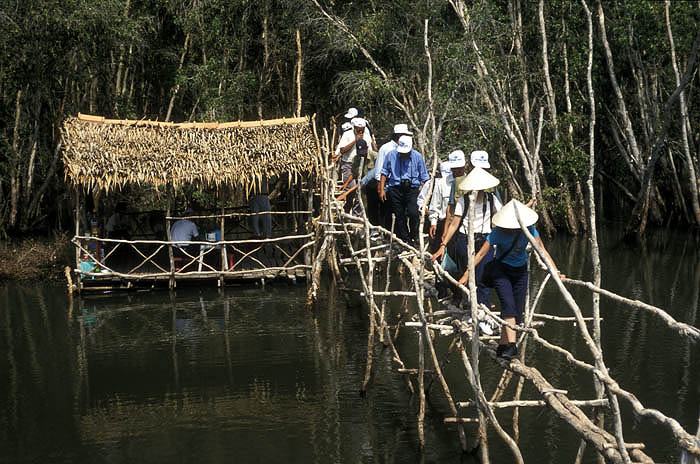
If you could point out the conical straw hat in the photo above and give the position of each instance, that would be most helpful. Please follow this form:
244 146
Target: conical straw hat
506 218
477 179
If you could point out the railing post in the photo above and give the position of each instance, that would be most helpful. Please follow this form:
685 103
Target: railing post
223 247
309 224
78 283
170 248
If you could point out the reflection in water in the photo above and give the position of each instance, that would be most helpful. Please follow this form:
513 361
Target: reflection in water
248 375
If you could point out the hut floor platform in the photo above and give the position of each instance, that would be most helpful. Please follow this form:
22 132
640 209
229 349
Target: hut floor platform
126 269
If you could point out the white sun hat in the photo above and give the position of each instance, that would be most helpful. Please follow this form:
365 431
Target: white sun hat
405 144
352 113
480 159
402 129
358 122
456 159
477 179
346 126
506 219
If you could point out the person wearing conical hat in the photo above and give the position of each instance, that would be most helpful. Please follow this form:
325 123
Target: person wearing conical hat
507 273
485 206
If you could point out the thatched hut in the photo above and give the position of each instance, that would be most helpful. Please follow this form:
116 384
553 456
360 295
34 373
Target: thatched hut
105 155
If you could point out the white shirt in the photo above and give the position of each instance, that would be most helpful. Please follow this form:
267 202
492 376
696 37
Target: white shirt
337 147
349 136
482 216
381 156
422 194
440 199
183 230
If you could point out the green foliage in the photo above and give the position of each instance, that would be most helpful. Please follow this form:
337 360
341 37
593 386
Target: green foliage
72 56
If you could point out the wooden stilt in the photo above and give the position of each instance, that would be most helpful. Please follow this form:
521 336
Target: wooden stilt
171 260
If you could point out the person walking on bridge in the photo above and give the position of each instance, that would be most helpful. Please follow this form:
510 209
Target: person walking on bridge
348 151
485 206
404 173
508 271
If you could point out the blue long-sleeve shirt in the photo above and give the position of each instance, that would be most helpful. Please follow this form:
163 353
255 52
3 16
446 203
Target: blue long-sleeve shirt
396 168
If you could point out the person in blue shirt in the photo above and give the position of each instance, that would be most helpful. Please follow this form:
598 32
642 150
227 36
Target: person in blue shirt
403 174
508 273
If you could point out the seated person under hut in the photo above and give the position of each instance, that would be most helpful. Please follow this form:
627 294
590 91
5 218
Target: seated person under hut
184 230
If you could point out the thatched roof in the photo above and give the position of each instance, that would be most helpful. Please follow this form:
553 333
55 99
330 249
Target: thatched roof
105 154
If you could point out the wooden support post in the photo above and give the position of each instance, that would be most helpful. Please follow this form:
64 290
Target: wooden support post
78 200
168 209
222 220
309 222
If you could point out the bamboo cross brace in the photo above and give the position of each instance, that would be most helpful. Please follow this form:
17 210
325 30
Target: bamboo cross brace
188 263
245 255
202 254
80 247
111 251
303 247
146 259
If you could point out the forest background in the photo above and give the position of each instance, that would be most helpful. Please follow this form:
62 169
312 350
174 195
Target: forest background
512 77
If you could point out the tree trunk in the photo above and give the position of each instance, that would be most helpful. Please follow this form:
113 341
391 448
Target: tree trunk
621 106
14 169
685 125
266 57
551 102
176 88
298 74
638 219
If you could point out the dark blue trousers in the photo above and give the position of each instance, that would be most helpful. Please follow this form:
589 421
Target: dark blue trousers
404 203
483 293
510 284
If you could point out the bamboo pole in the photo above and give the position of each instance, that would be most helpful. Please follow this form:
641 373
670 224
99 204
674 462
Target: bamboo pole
436 364
533 403
421 391
168 235
222 223
679 327
78 200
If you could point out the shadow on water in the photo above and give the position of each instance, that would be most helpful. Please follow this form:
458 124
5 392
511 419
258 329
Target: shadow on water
248 375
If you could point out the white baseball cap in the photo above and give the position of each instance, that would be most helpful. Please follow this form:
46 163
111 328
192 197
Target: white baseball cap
358 122
456 159
405 144
402 129
352 112
445 169
346 126
480 159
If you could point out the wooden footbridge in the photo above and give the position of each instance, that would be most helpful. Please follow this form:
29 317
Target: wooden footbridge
324 241
395 270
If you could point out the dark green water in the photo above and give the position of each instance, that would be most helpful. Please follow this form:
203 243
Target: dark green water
247 375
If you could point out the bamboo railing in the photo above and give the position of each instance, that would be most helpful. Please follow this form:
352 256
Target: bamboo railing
152 264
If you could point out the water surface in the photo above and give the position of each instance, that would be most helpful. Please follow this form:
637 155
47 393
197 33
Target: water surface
248 375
